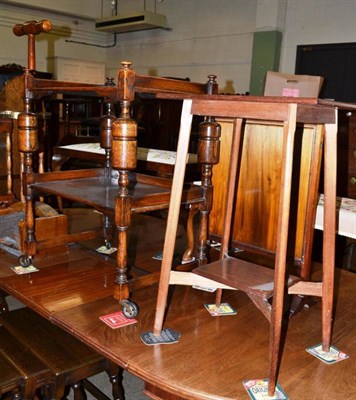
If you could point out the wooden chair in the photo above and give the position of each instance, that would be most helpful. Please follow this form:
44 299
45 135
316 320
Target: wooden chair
114 190
12 202
58 359
11 104
258 282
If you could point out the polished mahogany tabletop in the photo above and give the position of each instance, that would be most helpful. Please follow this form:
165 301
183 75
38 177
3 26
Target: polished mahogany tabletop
214 354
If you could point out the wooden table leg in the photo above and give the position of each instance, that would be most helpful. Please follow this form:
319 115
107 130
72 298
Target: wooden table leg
329 231
281 249
173 214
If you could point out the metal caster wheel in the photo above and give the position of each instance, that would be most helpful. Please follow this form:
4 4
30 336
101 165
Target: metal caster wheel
108 245
129 309
24 261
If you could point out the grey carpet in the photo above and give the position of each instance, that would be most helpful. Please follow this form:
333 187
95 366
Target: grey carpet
133 386
9 231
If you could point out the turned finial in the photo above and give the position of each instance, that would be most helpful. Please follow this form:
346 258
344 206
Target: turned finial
211 84
32 28
126 64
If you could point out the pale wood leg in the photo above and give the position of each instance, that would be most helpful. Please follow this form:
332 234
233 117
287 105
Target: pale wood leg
281 248
9 162
188 217
235 151
330 165
173 214
22 196
312 201
41 169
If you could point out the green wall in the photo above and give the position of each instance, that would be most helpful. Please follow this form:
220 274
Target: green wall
265 57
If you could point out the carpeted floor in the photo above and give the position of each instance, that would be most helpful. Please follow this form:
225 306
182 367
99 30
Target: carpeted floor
9 232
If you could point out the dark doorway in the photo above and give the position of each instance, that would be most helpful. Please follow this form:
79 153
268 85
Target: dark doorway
336 63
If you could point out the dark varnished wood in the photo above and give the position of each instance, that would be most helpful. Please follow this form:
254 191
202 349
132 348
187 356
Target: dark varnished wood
143 82
19 367
68 360
286 113
306 115
6 130
242 275
258 190
83 275
93 188
52 258
214 354
32 28
10 380
77 283
119 139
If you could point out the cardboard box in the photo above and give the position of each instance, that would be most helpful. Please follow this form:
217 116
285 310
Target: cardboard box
279 84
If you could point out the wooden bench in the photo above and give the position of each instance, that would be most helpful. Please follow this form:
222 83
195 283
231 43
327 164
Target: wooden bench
61 357
21 373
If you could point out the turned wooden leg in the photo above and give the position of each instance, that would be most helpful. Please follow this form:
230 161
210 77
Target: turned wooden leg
16 395
121 287
115 374
9 162
28 145
30 244
46 392
4 307
203 236
123 157
188 217
281 250
208 155
108 233
79 392
29 389
123 219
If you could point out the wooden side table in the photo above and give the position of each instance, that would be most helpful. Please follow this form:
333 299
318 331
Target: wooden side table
255 280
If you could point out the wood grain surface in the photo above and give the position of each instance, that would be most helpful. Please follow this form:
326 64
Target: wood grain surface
214 354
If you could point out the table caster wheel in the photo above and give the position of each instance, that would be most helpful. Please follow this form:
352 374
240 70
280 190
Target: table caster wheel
24 261
129 309
108 245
